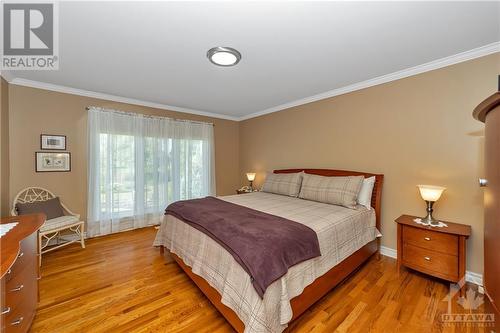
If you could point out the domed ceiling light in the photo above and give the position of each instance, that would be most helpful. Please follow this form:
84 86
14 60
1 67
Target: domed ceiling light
223 56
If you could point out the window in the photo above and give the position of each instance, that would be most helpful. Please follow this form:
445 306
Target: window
138 165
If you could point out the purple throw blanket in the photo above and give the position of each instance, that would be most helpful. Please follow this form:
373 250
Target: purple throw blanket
265 245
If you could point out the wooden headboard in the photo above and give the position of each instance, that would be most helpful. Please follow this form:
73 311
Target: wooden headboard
377 187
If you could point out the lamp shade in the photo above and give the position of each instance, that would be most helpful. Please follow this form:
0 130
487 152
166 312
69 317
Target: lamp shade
250 176
431 192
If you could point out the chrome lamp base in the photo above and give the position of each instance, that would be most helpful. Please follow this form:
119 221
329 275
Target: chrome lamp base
429 220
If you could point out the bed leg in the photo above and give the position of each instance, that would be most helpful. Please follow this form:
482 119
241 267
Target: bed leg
162 250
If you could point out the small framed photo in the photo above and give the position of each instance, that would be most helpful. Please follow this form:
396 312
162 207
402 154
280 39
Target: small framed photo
52 142
52 162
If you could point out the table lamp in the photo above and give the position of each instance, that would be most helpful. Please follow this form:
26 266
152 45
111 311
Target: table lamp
430 194
251 178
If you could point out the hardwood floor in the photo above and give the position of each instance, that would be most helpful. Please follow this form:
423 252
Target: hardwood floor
120 283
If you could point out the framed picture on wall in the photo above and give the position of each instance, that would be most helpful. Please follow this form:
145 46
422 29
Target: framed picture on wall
52 142
52 162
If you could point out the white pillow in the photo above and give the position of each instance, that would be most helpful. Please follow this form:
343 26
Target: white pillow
365 194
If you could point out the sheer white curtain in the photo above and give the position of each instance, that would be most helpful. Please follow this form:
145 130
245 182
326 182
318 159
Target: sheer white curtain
138 164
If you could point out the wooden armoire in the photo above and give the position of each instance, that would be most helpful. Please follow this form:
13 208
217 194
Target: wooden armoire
488 112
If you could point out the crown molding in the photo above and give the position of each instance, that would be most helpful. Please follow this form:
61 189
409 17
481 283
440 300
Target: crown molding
430 66
7 76
108 97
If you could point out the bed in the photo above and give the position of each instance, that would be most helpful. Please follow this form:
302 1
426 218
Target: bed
347 238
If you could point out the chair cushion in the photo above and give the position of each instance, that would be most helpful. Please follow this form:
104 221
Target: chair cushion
58 222
52 208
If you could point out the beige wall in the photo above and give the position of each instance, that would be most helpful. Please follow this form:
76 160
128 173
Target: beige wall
4 148
417 130
35 111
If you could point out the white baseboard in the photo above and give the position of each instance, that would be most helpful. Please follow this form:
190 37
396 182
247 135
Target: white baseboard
388 252
469 276
474 278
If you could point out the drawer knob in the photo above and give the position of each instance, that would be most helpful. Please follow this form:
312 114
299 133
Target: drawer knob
18 288
17 321
6 310
20 254
483 182
427 238
427 258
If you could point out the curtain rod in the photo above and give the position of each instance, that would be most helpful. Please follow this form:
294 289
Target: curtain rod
147 115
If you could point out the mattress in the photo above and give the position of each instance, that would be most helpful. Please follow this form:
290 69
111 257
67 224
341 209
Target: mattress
341 232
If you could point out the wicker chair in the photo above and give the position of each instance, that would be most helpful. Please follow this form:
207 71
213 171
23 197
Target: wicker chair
51 228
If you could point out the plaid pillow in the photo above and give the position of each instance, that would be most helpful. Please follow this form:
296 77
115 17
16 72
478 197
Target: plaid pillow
342 191
283 183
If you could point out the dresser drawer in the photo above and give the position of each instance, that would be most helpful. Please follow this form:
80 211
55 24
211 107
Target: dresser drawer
19 319
26 255
431 240
20 246
22 303
431 262
22 287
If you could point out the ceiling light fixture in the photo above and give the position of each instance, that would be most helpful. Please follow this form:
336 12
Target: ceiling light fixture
223 56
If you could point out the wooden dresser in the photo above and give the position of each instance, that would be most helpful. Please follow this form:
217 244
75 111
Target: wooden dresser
19 273
439 252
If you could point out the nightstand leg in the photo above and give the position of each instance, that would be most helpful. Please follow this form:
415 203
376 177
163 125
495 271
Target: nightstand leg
462 254
400 249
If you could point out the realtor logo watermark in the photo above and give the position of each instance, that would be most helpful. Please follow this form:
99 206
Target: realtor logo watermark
470 302
30 36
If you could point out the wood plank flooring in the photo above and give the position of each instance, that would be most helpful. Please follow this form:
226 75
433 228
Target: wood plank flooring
120 283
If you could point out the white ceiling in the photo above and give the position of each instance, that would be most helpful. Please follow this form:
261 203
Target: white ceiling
155 52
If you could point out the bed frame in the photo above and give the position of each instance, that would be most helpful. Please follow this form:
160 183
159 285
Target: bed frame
322 285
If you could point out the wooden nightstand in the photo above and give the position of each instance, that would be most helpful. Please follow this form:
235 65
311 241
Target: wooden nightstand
439 252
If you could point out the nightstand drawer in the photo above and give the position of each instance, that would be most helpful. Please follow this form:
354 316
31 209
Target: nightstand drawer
431 240
431 262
